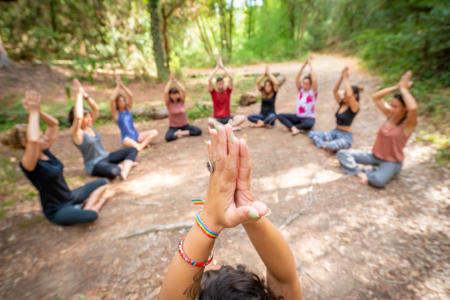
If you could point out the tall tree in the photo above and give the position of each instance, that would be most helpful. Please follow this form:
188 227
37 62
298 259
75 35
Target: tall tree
158 52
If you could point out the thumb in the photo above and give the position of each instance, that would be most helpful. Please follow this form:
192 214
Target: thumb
244 214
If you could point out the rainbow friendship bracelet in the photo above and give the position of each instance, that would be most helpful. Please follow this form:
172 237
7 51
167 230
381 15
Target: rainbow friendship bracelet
198 201
205 229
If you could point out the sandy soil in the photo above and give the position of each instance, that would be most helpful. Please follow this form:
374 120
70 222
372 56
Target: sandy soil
352 242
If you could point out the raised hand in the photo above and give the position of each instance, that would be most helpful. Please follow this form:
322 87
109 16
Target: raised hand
221 209
220 62
267 70
171 76
32 101
80 87
118 80
345 72
405 81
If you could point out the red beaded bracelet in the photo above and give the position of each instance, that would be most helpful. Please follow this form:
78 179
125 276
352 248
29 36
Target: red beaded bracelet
191 262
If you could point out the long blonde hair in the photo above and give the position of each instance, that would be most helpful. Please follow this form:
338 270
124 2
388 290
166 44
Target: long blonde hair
14 137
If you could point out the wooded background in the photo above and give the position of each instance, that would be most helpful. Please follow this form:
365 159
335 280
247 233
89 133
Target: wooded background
151 36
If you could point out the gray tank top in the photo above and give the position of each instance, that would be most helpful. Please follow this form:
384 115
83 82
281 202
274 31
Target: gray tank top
92 150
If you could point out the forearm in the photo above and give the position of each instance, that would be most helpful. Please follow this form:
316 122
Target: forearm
299 74
273 79
115 93
258 81
183 280
384 92
93 105
78 110
180 86
338 85
213 73
228 73
33 129
48 119
408 98
127 90
168 85
348 87
273 250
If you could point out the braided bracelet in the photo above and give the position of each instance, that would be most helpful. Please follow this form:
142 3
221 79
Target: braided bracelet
191 262
205 229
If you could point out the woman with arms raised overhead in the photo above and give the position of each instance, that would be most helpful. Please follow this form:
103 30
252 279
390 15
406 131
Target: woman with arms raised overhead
341 137
174 98
305 115
120 109
385 160
97 161
267 116
60 205
230 202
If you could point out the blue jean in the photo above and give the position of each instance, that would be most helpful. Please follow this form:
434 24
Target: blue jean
269 119
337 139
349 160
291 120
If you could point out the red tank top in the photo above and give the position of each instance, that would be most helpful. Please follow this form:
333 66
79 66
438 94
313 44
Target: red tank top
177 114
390 143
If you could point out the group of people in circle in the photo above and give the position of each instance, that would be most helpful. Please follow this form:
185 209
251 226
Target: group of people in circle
64 206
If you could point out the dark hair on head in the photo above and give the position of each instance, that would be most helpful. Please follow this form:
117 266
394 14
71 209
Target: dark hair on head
263 91
399 97
71 114
173 90
230 283
309 78
219 79
117 100
356 91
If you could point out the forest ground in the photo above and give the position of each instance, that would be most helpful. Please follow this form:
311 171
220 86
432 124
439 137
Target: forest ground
352 242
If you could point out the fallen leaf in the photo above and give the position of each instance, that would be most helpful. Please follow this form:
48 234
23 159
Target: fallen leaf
347 240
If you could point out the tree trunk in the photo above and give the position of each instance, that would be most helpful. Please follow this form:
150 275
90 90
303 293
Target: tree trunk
166 40
158 52
303 31
230 29
5 61
53 15
202 35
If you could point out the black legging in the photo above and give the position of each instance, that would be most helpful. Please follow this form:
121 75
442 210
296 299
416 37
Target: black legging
72 213
108 167
170 135
290 120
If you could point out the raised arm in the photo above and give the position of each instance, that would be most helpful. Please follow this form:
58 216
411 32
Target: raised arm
276 254
32 103
298 80
313 76
230 76
382 105
182 280
210 83
113 97
52 127
167 88
352 102
258 81
95 109
182 90
338 97
410 103
129 94
273 79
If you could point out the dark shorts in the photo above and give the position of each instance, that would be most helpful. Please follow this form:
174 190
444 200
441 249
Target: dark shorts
132 135
224 120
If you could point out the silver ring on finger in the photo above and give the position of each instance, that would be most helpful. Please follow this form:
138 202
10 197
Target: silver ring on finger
211 166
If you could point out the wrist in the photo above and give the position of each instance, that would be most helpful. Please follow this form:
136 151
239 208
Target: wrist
210 221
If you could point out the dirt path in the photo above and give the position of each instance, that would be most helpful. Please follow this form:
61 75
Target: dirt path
353 241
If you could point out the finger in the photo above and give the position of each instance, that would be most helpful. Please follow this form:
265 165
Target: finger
229 132
245 164
208 143
214 145
261 208
222 149
232 164
243 214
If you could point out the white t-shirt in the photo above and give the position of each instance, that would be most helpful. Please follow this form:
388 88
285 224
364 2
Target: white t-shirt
305 103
